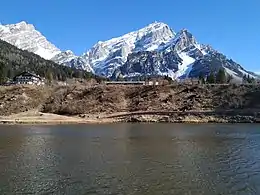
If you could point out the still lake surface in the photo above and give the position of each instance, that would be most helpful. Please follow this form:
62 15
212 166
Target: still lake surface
129 159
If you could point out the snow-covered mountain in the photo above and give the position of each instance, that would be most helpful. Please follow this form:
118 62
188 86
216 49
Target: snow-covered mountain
106 56
26 37
157 50
181 57
153 50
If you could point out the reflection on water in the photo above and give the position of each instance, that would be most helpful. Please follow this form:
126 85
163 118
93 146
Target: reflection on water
130 159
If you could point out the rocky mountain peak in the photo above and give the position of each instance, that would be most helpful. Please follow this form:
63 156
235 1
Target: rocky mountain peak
184 39
24 26
153 27
13 28
69 52
26 37
106 56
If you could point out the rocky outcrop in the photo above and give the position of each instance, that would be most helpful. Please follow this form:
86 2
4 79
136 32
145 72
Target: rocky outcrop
149 63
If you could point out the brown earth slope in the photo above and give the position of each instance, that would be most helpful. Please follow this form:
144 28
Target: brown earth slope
112 100
16 99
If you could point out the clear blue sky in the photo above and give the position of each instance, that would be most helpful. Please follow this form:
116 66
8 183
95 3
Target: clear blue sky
230 26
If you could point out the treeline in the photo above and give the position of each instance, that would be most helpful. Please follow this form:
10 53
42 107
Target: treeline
219 77
248 79
14 61
222 78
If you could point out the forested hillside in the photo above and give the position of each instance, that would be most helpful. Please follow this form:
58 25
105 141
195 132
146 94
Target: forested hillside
14 61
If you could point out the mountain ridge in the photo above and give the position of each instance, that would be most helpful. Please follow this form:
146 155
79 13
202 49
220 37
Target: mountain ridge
177 55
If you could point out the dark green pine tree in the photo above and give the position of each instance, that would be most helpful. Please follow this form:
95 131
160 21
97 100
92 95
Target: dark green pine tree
49 76
87 75
201 79
221 76
245 80
169 79
211 78
10 74
250 80
2 73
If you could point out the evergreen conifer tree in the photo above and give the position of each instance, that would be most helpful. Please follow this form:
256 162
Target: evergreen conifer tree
211 78
221 76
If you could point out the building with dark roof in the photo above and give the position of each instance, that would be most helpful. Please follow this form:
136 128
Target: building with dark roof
27 78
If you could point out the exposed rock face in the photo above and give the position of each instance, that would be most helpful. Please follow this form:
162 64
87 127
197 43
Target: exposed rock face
106 56
64 57
149 63
79 63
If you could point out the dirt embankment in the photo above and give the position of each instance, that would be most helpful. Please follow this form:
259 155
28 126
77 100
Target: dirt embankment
112 99
16 99
184 103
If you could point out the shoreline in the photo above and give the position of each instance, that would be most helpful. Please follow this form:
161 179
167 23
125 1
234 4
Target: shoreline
189 117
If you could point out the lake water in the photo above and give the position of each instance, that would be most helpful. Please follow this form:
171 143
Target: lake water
130 159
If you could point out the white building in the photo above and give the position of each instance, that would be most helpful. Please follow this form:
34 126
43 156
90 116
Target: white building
27 78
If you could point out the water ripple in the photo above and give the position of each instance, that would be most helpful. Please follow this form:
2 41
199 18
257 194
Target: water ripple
130 159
